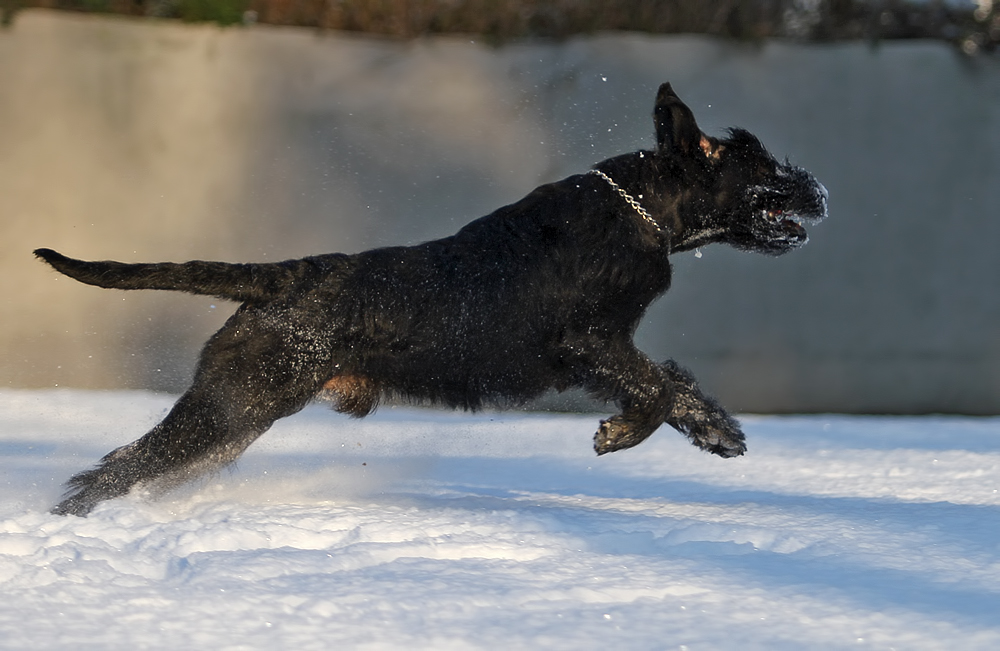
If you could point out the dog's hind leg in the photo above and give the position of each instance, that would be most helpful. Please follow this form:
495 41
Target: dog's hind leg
198 435
249 376
701 418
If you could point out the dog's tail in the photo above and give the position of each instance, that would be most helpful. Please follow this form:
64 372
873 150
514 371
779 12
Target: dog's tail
237 282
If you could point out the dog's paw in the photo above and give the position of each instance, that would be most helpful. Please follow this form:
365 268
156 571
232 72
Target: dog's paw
79 504
721 436
618 434
701 418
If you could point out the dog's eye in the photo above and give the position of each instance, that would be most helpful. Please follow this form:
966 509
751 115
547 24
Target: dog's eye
768 170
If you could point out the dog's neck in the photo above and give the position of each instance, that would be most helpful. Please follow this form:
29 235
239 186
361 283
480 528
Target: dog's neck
682 239
695 238
630 200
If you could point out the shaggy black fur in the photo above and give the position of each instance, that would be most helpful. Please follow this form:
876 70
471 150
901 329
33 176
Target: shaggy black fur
544 293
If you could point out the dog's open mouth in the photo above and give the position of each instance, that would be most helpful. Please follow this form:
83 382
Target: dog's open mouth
785 212
789 224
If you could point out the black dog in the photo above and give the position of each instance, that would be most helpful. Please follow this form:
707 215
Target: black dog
544 293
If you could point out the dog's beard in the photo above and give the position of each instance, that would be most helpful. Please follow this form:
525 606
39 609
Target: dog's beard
780 213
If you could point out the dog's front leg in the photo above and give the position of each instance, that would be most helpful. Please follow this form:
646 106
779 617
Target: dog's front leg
649 395
699 417
617 371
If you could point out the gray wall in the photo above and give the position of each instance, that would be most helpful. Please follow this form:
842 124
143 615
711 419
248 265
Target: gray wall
142 141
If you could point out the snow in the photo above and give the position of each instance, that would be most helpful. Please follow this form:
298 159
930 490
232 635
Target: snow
433 530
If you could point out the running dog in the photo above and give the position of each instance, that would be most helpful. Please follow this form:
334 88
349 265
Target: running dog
545 293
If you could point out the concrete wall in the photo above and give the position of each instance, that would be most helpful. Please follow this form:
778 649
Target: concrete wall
142 141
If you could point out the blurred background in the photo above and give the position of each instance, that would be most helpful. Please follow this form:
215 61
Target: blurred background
264 130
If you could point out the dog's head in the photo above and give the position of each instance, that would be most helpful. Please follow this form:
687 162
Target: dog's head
741 195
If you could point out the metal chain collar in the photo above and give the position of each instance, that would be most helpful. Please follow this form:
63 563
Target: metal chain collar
629 199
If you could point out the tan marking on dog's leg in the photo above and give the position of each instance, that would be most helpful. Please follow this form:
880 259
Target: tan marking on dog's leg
356 395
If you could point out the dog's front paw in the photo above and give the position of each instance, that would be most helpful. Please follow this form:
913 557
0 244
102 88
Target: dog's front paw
618 434
719 435
701 418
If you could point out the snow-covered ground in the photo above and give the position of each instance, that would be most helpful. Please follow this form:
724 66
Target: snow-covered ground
431 530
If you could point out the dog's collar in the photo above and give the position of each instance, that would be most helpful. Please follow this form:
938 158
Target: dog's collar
630 200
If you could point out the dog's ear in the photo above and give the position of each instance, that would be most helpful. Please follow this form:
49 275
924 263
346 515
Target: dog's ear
676 129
